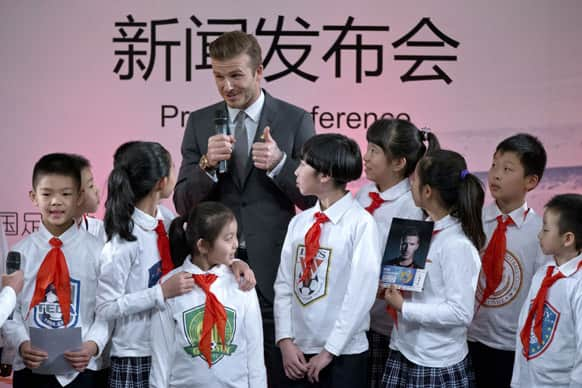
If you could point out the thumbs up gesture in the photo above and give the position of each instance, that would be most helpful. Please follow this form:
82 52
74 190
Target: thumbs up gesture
266 154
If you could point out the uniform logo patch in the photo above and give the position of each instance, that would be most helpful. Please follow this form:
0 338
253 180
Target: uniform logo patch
155 273
316 287
510 285
192 321
549 325
47 314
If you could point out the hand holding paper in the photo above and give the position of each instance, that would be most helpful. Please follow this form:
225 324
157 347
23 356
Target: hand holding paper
393 297
32 357
80 359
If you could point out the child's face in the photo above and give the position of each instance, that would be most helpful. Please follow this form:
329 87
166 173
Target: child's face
376 164
168 188
89 192
307 179
507 179
225 245
551 241
57 197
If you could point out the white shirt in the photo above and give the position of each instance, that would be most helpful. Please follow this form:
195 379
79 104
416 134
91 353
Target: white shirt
178 326
94 226
432 327
331 311
7 303
82 254
399 203
495 322
558 363
129 290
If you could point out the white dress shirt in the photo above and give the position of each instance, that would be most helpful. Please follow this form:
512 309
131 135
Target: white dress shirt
432 327
398 203
332 310
177 328
82 254
129 290
495 322
557 361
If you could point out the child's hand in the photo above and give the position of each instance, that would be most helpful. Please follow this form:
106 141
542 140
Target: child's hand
316 364
294 362
380 291
177 285
244 275
394 298
80 359
32 357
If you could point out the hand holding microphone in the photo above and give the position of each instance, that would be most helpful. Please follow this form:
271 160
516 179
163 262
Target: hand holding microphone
14 278
220 145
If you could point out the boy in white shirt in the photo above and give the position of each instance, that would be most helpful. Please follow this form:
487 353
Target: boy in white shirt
328 276
61 267
510 259
549 341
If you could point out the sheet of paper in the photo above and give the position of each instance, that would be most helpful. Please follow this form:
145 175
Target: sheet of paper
55 342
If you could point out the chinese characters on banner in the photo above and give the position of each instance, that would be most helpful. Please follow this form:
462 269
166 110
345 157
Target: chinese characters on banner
139 48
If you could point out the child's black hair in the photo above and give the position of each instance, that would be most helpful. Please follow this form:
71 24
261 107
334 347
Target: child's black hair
205 221
461 192
530 151
56 164
569 210
334 155
140 168
402 139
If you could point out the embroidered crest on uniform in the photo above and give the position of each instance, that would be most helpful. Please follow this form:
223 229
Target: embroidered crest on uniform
316 286
510 285
192 321
47 314
155 273
549 326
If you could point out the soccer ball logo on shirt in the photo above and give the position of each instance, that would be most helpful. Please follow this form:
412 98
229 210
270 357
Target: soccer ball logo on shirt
316 286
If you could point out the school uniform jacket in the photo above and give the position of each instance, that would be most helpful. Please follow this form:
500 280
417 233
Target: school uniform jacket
432 327
495 322
399 203
175 332
82 254
129 290
332 310
557 360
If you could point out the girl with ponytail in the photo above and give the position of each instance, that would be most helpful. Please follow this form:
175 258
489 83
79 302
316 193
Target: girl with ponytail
428 347
394 148
212 335
135 257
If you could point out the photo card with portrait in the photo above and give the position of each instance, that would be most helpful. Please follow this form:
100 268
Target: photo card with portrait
404 260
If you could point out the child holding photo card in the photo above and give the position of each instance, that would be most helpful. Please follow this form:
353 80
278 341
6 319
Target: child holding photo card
429 348
394 148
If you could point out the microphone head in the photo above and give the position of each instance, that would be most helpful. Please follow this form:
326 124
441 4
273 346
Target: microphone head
220 117
12 262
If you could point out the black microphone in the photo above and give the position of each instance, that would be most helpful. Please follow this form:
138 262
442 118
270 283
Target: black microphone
222 128
12 262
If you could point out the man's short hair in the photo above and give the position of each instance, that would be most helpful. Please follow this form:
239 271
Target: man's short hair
410 232
530 151
234 43
57 164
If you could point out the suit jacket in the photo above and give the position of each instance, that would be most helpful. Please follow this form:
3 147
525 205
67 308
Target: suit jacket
263 206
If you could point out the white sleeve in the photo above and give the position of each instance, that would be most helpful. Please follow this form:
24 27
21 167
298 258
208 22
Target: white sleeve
163 345
361 289
460 270
100 330
576 374
112 301
253 332
516 365
7 303
15 331
284 289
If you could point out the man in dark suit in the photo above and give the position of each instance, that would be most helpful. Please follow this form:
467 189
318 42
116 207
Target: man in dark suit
262 155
